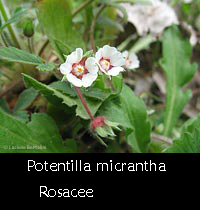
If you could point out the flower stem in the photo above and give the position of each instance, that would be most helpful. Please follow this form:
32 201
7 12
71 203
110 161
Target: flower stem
45 44
82 6
84 103
92 40
10 29
29 45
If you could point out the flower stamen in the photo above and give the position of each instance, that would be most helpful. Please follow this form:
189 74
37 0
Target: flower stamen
105 64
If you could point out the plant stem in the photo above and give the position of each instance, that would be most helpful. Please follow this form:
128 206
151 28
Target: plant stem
10 29
84 103
92 40
29 45
4 40
82 6
43 47
163 139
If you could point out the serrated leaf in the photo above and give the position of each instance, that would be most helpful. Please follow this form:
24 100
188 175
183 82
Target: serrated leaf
189 142
54 96
130 113
179 71
25 99
113 111
64 87
40 135
13 54
61 99
46 67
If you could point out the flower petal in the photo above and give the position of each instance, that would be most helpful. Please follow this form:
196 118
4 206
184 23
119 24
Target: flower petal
125 54
88 79
74 80
135 63
79 54
91 65
108 51
115 71
71 58
117 59
65 68
75 57
98 55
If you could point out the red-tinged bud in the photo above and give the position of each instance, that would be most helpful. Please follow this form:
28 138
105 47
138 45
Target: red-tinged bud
97 122
104 128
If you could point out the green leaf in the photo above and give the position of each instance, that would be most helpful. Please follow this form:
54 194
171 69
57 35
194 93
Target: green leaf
92 104
54 96
46 67
25 99
21 116
111 24
119 7
56 20
189 142
130 113
61 99
139 138
71 146
15 55
40 135
15 18
96 93
64 87
179 71
4 105
112 110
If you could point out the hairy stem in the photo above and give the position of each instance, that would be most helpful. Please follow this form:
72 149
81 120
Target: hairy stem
92 40
84 103
10 29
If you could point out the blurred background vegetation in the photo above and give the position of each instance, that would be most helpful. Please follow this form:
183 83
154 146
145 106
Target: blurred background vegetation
51 33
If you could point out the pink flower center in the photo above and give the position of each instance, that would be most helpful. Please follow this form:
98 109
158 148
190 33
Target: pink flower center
79 69
105 64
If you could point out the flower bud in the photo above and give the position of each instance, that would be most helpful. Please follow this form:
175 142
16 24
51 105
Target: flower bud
28 28
104 128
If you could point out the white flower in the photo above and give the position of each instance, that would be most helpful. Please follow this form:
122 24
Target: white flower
110 60
193 34
188 1
153 18
79 70
132 61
